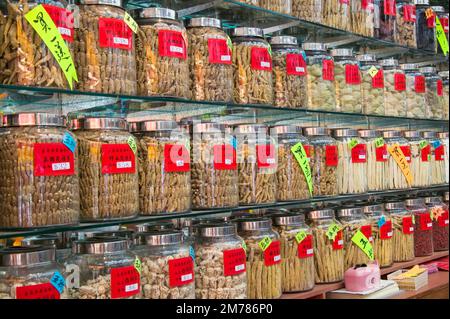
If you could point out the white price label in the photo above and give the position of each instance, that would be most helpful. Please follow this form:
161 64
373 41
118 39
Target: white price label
225 58
179 163
132 287
446 222
389 234
65 31
277 258
265 64
408 158
309 251
299 69
60 166
123 164
123 41
271 161
176 49
429 225
362 156
186 277
340 242
228 161
239 267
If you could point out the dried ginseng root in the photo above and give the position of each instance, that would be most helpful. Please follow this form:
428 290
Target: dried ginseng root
282 6
363 17
310 10
403 231
421 159
377 158
336 13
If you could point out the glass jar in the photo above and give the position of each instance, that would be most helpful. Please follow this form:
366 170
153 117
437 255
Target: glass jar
320 77
103 268
60 243
385 19
328 246
396 179
257 165
210 60
25 59
336 13
309 10
352 163
281 6
415 91
363 17
291 180
289 72
403 228
164 168
425 26
109 185
439 216
394 88
220 260
420 165
38 189
104 49
437 163
323 161
297 253
382 233
377 157
167 269
445 84
443 154
423 227
372 86
434 93
264 262
406 23
26 273
347 81
252 63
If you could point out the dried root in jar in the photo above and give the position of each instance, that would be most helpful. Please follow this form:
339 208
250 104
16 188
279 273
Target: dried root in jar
329 263
282 6
415 102
324 176
9 284
376 169
394 100
394 174
405 31
337 14
348 96
320 92
353 254
363 18
310 10
433 102
437 170
351 177
382 247
403 243
420 170
372 97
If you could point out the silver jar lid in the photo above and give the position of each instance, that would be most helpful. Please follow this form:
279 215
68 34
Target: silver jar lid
368 133
162 13
342 52
446 196
133 127
428 69
154 126
314 46
438 9
373 208
414 202
249 224
216 230
411 134
394 205
408 66
286 129
345 132
138 228
433 200
204 22
315 131
99 123
121 233
284 39
26 255
250 129
366 58
162 225
429 134
442 135
208 127
388 62
422 2
248 32
99 246
33 119
444 74
163 237
349 211
391 134
116 3
50 241
321 214
288 219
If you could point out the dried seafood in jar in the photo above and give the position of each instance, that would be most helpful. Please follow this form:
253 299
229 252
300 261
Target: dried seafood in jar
415 91
425 26
394 88
310 10
385 19
372 85
406 24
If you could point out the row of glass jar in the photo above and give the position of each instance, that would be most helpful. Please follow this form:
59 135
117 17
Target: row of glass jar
259 261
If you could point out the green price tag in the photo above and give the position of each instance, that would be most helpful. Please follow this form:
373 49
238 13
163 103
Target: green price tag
373 71
332 231
229 43
130 22
244 246
379 142
353 142
363 243
137 264
270 50
440 35
423 144
300 155
132 144
265 243
300 236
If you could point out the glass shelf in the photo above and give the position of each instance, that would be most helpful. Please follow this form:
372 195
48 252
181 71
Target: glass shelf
157 218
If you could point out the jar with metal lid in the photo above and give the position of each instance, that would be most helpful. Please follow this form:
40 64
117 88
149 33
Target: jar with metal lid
382 233
425 26
372 85
289 72
435 154
214 167
264 263
252 62
352 162
442 156
103 268
385 20
323 161
403 230
363 17
406 23
434 92
210 60
420 165
39 169
423 227
394 88
125 234
439 216
320 77
164 168
328 246
377 158
62 252
309 10
445 85
220 259
415 91
347 80
396 178
281 6
297 252
336 13
167 268
105 57
257 164
291 180
109 185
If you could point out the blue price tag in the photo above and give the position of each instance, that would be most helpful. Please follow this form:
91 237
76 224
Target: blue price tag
436 143
234 142
304 55
192 252
69 141
381 221
58 281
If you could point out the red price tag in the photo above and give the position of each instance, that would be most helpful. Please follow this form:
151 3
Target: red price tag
439 153
367 5
63 20
386 230
181 271
224 157
439 88
425 153
261 59
407 152
219 52
338 242
378 80
408 227
344 1
172 44
53 159
118 159
295 64
409 13
307 149
272 255
176 158
400 82
367 231
125 282
419 84
352 75
331 155
431 20
328 70
443 219
266 156
114 33
39 291
389 8
305 248
359 153
234 262
444 23
425 221
381 153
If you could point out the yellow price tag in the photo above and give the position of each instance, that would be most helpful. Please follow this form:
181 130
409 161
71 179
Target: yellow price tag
440 35
130 22
137 264
373 71
17 241
413 272
300 155
265 243
332 231
429 13
44 26
400 158
353 142
363 243
132 144
151 152
300 236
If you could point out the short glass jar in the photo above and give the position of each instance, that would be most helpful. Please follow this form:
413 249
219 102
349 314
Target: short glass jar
403 231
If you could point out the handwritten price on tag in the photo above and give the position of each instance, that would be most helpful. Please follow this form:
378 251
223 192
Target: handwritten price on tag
353 142
300 155
373 71
244 246
137 264
423 144
130 22
363 243
58 281
379 142
300 236
400 158
132 143
265 243
440 35
332 231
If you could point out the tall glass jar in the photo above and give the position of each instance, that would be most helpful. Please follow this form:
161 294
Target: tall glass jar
264 262
281 6
210 60
323 162
297 252
439 216
252 63
220 259
214 168
434 92
415 91
372 85
423 227
377 157
39 169
310 10
363 17
164 168
347 81
425 26
403 228
443 154
437 162
396 179
109 184
445 85
406 23
336 13
320 77
257 164
291 180
104 49
420 165
394 88
352 163
328 246
103 268
289 72
167 269
385 19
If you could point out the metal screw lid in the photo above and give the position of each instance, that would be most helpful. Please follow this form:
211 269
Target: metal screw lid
421 2
162 225
153 126
373 209
409 66
204 22
444 74
133 127
438 9
248 32
248 224
49 241
414 202
342 52
366 58
394 205
286 129
100 246
209 127
446 196
391 134
314 46
368 133
321 214
315 131
429 134
163 13
99 123
288 219
26 255
427 69
138 228
121 233
250 129
284 39
216 230
159 238
116 3
349 211
345 132
442 135
33 119
433 200
411 134
388 62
